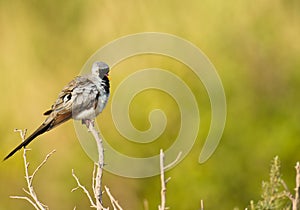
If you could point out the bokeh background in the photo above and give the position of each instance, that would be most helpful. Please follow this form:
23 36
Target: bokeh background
254 45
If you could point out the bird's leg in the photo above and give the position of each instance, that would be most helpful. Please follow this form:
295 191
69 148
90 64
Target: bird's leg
84 122
88 122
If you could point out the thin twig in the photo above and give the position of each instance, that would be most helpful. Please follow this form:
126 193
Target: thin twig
162 205
29 183
164 181
174 162
201 205
27 199
35 202
287 191
146 204
41 164
21 132
83 189
113 201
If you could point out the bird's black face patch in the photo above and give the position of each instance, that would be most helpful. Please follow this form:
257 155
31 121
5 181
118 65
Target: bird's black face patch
106 83
103 73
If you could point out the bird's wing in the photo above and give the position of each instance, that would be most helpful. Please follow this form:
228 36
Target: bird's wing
64 98
79 95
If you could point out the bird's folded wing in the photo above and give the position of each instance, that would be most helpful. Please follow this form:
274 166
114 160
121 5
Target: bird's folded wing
80 94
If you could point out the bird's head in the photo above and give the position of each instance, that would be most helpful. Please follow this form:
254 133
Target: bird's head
100 69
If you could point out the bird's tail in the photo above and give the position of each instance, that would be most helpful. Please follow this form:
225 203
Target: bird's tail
42 129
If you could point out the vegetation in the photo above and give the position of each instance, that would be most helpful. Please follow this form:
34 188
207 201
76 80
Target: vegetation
275 194
254 46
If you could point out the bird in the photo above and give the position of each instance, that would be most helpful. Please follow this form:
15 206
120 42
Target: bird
83 99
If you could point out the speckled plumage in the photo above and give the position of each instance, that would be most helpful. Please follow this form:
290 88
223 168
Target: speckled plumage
82 99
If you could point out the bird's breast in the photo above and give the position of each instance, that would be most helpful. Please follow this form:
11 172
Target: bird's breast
90 100
93 111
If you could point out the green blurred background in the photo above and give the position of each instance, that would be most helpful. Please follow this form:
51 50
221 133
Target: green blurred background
254 45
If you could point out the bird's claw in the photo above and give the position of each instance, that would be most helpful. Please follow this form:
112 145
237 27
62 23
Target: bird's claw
88 123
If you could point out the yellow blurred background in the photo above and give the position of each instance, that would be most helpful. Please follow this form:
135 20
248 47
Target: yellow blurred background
254 45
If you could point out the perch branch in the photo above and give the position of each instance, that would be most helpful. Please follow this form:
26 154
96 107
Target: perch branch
94 178
98 183
97 174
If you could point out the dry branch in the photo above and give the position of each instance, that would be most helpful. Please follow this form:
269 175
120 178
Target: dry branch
297 188
164 181
97 176
98 179
93 205
114 202
34 201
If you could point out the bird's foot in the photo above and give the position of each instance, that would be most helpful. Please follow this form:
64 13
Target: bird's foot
88 123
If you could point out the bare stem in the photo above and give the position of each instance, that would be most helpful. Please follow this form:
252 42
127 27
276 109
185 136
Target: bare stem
84 190
201 205
146 204
164 181
297 189
97 176
114 202
42 164
29 178
287 191
162 205
94 178
98 183
27 199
